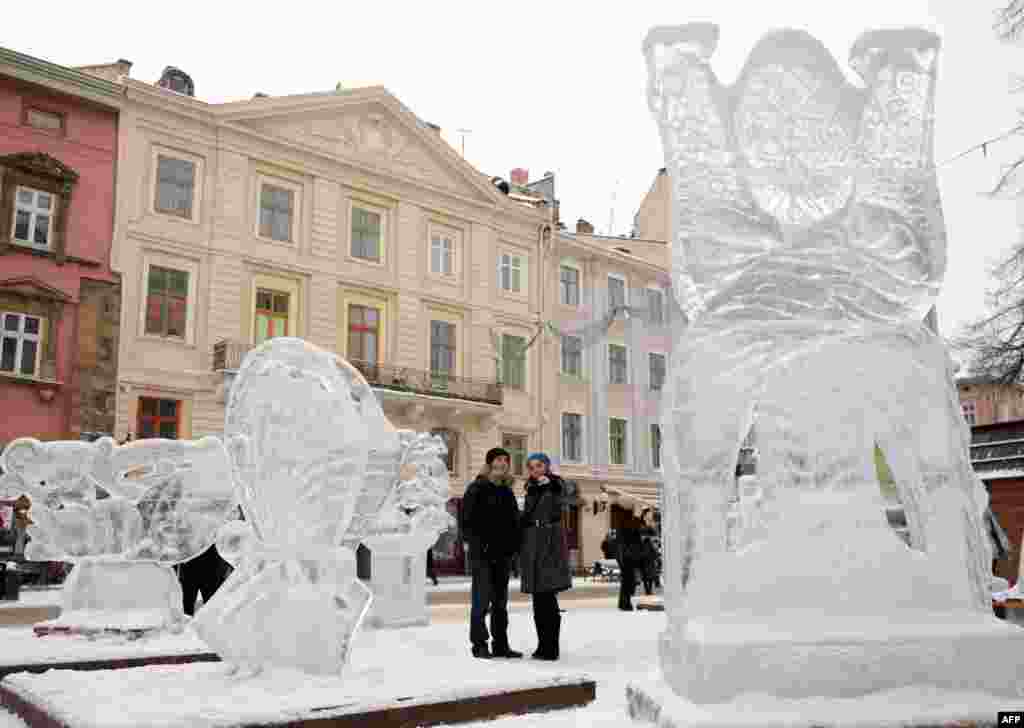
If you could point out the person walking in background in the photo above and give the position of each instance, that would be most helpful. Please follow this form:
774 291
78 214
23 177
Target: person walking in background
490 527
650 560
610 546
631 562
202 575
544 560
431 572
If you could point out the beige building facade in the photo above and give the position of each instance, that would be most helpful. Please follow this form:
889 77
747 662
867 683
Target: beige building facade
340 218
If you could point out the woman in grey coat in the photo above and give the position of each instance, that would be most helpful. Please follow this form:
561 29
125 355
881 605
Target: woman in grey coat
544 556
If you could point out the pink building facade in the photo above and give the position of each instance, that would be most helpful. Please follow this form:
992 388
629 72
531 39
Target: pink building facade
58 297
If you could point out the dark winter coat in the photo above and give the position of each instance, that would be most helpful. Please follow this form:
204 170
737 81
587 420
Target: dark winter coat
631 549
544 559
490 522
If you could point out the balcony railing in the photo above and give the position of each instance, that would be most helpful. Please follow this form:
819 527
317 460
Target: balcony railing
436 384
228 356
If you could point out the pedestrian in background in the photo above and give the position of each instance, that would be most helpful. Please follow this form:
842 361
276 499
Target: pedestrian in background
650 562
431 571
544 560
490 527
631 564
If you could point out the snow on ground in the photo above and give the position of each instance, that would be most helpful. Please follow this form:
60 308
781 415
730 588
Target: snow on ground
7 720
22 646
612 647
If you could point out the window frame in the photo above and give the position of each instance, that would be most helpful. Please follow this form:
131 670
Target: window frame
561 348
379 331
625 289
582 437
288 316
969 411
182 264
158 419
524 263
452 456
288 185
453 346
199 165
663 320
454 238
503 363
611 378
20 338
625 441
34 212
650 370
29 109
523 452
354 204
579 285
656 460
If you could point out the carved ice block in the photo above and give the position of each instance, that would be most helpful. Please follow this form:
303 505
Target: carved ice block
123 515
808 244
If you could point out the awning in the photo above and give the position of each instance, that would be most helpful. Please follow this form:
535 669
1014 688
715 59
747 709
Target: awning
641 502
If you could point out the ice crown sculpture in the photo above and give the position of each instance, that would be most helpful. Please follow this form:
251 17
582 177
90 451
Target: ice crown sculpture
808 246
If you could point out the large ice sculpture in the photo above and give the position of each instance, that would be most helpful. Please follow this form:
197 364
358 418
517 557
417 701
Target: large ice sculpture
808 246
123 514
318 470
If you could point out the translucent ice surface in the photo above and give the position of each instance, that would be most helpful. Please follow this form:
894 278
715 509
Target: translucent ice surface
808 246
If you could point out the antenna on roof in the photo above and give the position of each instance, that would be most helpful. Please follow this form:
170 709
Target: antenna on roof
464 132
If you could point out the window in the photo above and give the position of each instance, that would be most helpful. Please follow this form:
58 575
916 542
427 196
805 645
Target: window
656 306
656 446
175 186
516 446
572 437
271 315
166 302
571 525
656 365
442 348
44 120
618 366
441 250
33 213
366 237
569 286
616 292
159 418
968 407
20 344
510 272
616 441
572 356
277 206
451 441
363 334
513 361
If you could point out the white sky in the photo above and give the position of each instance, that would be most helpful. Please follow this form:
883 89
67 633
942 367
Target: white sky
557 86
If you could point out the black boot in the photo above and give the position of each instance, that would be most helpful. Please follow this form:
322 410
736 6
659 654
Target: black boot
481 652
548 634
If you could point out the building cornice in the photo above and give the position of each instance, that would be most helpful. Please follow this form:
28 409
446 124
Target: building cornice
582 248
61 78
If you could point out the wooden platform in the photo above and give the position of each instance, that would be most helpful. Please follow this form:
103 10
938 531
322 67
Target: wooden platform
108 664
468 705
650 606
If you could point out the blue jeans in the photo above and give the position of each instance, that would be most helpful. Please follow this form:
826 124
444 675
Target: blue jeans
490 595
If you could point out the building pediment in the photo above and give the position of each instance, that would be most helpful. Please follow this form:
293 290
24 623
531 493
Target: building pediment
368 126
32 287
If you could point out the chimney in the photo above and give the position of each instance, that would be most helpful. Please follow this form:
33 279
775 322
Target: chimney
260 95
519 177
582 226
174 79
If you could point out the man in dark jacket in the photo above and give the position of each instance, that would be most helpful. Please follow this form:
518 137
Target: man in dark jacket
490 527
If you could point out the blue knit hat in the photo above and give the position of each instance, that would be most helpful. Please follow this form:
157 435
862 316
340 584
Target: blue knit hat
540 457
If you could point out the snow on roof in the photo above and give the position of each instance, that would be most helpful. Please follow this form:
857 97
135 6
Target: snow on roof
1000 473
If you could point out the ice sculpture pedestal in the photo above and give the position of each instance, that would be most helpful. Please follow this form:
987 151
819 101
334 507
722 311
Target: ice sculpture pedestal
118 596
399 581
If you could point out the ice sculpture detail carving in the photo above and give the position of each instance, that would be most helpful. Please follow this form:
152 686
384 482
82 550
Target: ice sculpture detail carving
808 246
123 514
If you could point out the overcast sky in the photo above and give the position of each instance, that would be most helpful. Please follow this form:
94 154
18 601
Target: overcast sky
557 86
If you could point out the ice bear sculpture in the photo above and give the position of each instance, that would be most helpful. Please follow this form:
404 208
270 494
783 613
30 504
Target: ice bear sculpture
808 246
123 514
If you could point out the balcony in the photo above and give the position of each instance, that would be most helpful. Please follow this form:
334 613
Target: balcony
228 356
434 384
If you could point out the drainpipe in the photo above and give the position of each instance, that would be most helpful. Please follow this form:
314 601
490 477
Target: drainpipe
543 234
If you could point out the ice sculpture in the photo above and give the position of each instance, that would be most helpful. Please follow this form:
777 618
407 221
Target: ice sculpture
808 246
317 467
123 515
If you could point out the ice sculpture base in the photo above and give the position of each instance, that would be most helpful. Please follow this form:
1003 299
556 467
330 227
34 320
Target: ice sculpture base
801 653
653 702
398 581
118 596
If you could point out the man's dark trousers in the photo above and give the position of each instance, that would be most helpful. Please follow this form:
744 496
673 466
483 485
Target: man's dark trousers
490 595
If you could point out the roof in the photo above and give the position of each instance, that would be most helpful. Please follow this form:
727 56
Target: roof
60 78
